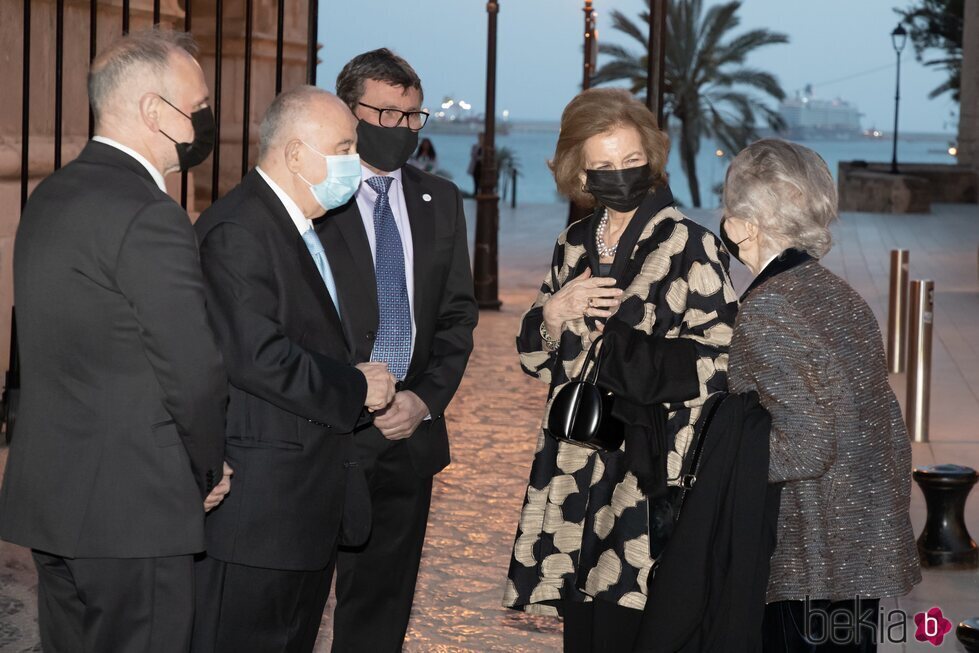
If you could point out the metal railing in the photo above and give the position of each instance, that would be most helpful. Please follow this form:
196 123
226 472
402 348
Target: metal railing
97 28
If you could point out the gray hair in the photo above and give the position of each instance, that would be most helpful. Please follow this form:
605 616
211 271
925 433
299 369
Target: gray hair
135 54
787 190
286 110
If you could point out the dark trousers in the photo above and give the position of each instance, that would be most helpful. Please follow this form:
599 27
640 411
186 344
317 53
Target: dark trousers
114 605
257 610
798 627
599 627
376 581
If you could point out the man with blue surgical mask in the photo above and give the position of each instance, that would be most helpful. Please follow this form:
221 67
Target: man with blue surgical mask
296 397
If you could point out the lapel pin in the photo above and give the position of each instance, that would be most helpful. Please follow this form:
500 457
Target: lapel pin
427 197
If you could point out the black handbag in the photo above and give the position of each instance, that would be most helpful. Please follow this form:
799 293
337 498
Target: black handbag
581 412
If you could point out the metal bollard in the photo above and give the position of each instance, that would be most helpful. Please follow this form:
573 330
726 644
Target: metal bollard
897 313
945 540
513 197
922 302
968 634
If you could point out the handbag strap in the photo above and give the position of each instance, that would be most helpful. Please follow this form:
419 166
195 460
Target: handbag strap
688 480
594 357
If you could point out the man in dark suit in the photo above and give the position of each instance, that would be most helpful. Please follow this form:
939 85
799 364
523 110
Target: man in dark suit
401 259
120 432
296 396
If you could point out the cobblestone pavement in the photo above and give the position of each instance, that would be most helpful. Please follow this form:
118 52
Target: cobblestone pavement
494 418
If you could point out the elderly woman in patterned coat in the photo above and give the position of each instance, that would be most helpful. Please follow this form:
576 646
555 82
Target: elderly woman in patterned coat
657 285
811 348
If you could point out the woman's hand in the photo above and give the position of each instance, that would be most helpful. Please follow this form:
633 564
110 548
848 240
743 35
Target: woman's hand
583 295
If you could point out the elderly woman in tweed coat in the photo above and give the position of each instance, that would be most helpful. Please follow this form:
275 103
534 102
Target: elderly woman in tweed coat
583 543
811 348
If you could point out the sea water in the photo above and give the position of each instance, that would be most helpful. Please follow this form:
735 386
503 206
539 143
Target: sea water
533 147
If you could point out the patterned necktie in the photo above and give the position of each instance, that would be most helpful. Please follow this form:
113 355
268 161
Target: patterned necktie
315 248
393 342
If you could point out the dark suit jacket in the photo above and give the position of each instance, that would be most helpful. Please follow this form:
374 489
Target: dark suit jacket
445 309
123 393
295 397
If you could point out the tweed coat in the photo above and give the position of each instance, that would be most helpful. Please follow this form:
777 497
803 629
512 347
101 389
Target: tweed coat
810 346
583 531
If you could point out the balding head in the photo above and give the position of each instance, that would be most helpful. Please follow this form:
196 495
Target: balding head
132 82
297 114
300 128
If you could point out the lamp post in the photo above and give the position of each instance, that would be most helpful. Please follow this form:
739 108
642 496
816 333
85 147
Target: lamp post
576 212
590 46
899 37
486 263
656 59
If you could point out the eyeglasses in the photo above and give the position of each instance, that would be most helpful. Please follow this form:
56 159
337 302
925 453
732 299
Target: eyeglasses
413 120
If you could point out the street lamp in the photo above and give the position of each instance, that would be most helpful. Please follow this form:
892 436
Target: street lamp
656 59
486 264
899 37
576 212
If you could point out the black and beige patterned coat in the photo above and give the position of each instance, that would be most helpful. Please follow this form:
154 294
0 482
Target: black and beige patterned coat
583 529
810 346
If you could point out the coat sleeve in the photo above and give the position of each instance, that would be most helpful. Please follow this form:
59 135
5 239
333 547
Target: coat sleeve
158 271
260 357
452 342
535 359
798 381
709 311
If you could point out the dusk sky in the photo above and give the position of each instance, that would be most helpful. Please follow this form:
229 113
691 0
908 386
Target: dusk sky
539 61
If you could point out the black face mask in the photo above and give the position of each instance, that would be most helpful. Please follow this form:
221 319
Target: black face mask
620 190
195 153
385 148
732 247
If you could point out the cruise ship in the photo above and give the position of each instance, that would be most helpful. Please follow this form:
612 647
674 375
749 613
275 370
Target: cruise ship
809 118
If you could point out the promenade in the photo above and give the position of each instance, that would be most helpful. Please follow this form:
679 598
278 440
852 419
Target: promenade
494 419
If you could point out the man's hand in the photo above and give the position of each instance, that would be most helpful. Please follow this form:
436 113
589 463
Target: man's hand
402 417
380 385
220 490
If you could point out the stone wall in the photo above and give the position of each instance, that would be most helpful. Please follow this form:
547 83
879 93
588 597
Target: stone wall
874 189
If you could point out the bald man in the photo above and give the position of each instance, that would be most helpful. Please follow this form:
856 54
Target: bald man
119 443
296 396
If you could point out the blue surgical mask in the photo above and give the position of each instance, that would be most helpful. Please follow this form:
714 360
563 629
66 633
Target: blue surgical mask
342 180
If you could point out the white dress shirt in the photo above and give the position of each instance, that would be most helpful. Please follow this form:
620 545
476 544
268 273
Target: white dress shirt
303 224
156 174
366 199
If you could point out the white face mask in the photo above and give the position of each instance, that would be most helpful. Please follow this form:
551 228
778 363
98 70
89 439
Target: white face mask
341 182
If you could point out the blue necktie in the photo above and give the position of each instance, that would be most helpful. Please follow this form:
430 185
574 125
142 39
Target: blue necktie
393 342
315 248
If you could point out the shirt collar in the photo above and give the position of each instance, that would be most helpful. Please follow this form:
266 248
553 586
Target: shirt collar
303 224
366 173
150 168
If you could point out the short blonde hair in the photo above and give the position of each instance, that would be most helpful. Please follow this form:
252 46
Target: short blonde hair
787 190
597 111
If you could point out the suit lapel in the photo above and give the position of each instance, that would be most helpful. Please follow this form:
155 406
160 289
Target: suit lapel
421 218
349 252
310 273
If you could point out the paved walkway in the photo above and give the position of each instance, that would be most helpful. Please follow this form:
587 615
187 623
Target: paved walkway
496 413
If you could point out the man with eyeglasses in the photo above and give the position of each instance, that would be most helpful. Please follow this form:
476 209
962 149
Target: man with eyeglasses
400 255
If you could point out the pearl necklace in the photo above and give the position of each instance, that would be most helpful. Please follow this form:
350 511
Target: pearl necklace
604 250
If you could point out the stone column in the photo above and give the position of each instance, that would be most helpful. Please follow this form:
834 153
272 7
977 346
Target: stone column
969 96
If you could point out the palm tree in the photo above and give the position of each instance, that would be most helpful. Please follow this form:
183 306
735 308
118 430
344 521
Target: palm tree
709 89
